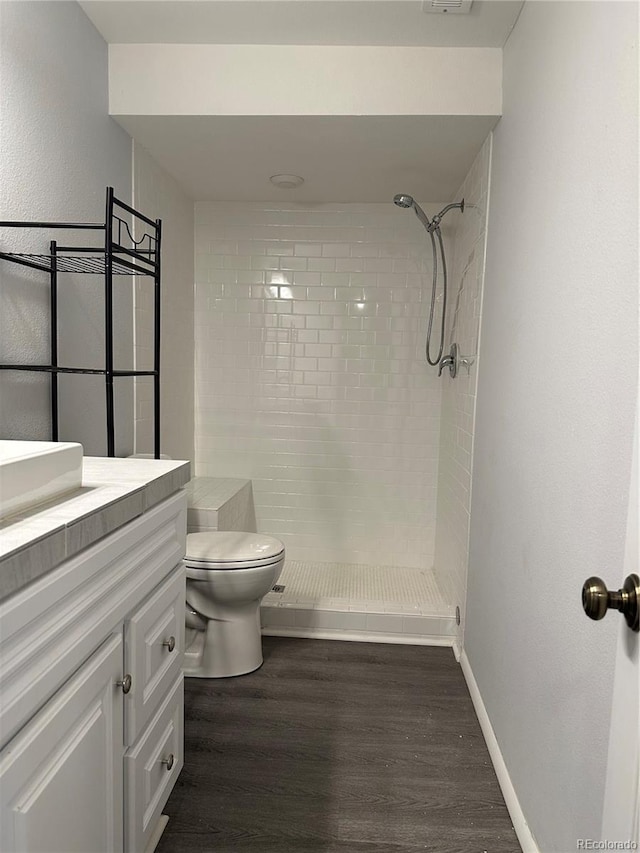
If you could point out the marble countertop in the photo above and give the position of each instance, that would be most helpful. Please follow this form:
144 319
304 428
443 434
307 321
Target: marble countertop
113 492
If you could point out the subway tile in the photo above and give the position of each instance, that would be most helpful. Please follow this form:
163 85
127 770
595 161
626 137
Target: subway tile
335 279
306 278
264 263
342 375
324 323
352 265
298 264
364 250
336 250
321 264
323 294
308 250
236 262
334 308
351 324
247 276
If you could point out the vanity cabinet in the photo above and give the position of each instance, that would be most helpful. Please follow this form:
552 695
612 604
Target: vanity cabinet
91 686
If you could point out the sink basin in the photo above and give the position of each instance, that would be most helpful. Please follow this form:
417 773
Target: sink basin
32 472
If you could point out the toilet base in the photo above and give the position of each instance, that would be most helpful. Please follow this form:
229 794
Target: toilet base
227 647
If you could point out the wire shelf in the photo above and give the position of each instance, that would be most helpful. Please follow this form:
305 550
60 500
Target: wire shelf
88 264
131 247
90 371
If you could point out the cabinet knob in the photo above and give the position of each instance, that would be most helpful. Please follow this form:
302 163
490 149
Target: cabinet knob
170 643
168 761
125 683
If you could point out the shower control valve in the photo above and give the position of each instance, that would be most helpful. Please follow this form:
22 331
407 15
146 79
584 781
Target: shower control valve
450 361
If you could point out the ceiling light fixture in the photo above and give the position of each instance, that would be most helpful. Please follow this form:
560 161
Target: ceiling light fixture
286 182
456 7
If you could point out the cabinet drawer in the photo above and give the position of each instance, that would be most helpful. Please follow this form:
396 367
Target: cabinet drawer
152 766
154 651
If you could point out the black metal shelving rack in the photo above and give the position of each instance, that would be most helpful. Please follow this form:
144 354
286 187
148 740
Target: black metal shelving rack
121 254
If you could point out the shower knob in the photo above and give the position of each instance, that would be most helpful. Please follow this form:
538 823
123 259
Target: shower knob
450 361
597 599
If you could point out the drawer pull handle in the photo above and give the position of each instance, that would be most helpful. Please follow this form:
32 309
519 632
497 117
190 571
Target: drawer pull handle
125 683
168 761
170 643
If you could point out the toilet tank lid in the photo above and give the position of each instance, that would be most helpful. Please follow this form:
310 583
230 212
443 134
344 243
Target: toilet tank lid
231 546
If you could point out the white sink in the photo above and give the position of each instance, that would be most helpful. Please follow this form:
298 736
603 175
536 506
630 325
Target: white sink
32 472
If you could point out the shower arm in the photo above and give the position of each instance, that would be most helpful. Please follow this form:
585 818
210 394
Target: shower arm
435 222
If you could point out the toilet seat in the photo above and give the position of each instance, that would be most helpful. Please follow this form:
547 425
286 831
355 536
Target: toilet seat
228 550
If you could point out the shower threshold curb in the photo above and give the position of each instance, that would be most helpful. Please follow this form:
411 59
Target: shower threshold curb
366 626
360 636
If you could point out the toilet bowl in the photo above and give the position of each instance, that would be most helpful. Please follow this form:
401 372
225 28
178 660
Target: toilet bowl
228 574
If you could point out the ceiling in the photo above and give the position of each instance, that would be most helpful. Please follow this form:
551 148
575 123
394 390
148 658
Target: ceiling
341 158
328 22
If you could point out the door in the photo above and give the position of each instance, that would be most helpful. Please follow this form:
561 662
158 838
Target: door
61 777
621 807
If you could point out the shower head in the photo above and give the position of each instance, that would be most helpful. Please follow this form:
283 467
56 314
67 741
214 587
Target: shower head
406 201
403 200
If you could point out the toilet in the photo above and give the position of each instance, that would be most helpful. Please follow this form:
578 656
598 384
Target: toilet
228 574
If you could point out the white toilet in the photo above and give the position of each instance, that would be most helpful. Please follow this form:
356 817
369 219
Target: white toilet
228 574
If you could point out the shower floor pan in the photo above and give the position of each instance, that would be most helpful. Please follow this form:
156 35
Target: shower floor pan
345 601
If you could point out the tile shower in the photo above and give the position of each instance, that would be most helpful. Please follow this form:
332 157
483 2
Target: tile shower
311 382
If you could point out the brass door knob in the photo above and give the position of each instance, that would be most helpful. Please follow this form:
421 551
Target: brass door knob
597 599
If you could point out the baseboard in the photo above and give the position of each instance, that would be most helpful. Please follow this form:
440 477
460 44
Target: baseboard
358 636
520 825
457 648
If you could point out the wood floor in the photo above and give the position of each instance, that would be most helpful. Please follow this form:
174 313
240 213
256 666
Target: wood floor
337 747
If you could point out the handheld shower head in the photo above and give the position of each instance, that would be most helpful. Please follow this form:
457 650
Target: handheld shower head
433 229
403 200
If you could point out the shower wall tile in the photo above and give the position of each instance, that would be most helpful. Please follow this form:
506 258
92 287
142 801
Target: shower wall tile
459 394
311 379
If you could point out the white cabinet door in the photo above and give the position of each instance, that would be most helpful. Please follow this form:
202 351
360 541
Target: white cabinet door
154 651
61 777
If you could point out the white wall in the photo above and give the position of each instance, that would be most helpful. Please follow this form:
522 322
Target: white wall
466 267
556 395
252 79
60 150
158 196
311 378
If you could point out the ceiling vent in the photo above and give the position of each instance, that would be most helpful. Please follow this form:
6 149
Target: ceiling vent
451 7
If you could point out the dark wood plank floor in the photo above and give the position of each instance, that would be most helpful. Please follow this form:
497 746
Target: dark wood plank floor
337 747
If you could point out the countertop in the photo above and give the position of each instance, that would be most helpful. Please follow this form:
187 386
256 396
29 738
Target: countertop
114 491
